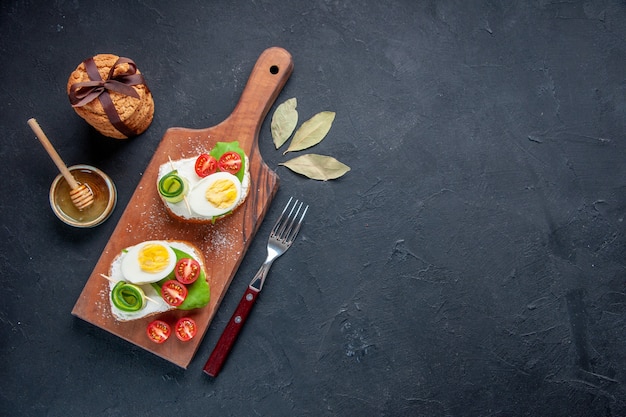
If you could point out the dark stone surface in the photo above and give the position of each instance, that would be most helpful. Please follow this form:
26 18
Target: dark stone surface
471 263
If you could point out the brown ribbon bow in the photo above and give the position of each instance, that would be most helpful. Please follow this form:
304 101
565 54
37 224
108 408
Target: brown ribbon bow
85 92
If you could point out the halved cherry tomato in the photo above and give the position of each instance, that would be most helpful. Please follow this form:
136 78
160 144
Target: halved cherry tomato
187 270
158 331
185 329
205 165
173 292
230 162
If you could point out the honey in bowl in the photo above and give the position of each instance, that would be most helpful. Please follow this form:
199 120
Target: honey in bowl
102 188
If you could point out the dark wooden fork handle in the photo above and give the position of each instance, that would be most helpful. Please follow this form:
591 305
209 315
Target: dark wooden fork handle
229 336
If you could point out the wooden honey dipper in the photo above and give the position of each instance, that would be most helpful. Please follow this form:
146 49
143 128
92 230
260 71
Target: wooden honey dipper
81 195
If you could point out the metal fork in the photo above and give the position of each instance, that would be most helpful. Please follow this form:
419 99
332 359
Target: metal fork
281 237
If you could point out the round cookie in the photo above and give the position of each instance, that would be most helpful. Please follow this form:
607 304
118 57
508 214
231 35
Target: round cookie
135 114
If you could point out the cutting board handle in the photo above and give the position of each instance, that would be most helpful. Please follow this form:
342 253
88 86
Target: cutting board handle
269 75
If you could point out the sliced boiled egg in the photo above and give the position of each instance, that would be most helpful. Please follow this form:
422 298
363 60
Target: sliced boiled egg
148 262
215 195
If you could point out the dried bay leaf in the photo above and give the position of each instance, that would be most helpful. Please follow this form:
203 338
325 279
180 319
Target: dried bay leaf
317 167
284 122
312 131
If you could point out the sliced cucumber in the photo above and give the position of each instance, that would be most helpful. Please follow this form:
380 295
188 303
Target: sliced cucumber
128 297
172 187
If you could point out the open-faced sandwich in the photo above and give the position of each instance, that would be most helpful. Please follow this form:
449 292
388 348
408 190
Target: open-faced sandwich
157 276
207 187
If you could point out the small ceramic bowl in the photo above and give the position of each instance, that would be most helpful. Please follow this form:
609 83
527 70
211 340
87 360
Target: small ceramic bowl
102 187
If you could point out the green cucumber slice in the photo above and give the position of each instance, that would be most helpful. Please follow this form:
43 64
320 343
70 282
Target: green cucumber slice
128 297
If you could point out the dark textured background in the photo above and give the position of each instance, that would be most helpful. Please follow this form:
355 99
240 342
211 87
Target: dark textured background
473 262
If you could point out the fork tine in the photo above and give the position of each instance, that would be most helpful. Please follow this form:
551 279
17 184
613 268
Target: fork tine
279 223
295 231
286 226
286 229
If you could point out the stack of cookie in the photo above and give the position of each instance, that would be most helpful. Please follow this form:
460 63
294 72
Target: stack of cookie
110 93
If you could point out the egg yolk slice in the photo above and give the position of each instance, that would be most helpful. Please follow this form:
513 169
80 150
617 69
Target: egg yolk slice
221 193
153 258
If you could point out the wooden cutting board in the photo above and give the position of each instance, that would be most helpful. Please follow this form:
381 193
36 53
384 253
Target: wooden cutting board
224 243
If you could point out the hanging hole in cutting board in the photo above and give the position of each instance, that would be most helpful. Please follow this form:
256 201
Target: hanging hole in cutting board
274 69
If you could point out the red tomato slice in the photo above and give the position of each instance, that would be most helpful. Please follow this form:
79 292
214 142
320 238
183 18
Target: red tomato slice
158 331
230 162
174 293
187 270
185 329
205 165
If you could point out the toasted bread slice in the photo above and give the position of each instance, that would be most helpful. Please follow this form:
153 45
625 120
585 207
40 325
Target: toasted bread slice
181 210
156 304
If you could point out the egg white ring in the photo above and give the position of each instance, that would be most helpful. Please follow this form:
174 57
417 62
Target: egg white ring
131 271
197 196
